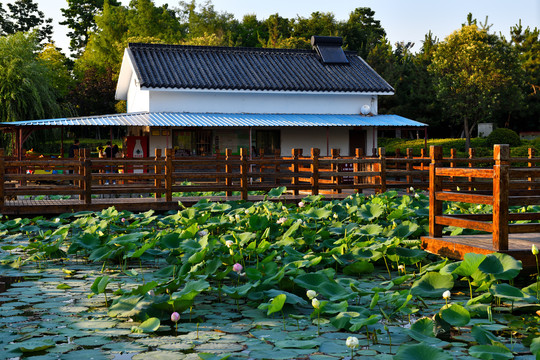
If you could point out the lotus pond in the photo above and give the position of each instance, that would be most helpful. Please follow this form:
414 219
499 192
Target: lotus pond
267 280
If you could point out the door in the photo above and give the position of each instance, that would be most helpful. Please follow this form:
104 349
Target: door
357 139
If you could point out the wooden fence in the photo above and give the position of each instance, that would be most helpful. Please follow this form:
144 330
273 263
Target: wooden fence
508 181
165 174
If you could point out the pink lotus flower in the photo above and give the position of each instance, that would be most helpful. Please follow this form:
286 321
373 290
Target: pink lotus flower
175 317
237 268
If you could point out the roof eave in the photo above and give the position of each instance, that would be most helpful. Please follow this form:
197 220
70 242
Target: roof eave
126 71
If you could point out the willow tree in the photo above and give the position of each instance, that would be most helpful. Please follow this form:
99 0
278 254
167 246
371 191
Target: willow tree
476 75
26 90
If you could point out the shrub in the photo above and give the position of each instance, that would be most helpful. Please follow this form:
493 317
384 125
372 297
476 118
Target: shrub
503 136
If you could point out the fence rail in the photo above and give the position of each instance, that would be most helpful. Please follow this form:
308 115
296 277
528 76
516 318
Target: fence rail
507 186
165 174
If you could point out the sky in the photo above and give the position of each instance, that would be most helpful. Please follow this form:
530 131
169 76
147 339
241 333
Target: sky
403 20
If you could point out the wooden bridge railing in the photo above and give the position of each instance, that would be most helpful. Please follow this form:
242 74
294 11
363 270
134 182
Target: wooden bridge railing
165 174
500 186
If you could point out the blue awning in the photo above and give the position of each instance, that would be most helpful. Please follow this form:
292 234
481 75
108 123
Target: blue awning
174 119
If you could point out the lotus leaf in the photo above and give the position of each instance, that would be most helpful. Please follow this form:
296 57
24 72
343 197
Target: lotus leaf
511 293
488 352
432 285
421 352
455 315
501 266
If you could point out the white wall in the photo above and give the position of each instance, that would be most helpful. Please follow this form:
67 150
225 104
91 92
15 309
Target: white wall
251 102
137 100
307 138
160 142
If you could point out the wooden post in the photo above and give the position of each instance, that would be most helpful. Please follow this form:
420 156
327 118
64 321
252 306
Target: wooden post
228 171
157 171
501 182
169 169
78 154
277 155
87 174
356 166
218 166
382 169
243 173
409 168
336 180
422 166
315 171
531 164
435 185
2 178
294 179
472 152
452 162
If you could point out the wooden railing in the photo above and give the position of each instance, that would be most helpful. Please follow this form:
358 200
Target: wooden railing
502 185
165 174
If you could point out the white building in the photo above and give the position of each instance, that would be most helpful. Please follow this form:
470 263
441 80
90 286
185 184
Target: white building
222 97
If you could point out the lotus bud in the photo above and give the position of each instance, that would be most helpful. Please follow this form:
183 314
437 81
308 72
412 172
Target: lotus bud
446 295
229 243
281 220
401 268
352 342
237 268
534 250
203 233
315 303
175 317
311 294
301 204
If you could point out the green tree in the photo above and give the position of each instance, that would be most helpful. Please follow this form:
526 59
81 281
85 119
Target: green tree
26 88
361 32
205 21
79 18
24 15
476 75
142 21
527 44
319 23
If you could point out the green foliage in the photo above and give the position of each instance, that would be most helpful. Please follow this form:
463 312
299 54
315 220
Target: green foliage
25 16
477 74
79 18
503 136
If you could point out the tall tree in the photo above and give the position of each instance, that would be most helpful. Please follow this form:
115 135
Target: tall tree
527 44
79 17
24 15
319 23
26 89
361 32
476 76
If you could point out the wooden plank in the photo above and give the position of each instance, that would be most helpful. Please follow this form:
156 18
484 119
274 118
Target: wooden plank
466 172
524 200
464 223
523 228
467 198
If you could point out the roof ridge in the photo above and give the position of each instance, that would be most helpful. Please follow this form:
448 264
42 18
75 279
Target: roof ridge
216 48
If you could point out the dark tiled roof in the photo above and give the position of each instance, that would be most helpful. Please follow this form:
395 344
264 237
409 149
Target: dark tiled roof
209 67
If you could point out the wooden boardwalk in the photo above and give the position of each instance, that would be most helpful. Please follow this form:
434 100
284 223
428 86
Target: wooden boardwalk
454 247
55 207
507 232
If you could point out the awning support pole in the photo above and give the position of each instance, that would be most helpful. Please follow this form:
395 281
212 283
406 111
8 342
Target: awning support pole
327 143
425 137
250 145
62 142
111 136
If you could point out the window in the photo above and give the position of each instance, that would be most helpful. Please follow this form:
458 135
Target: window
268 140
